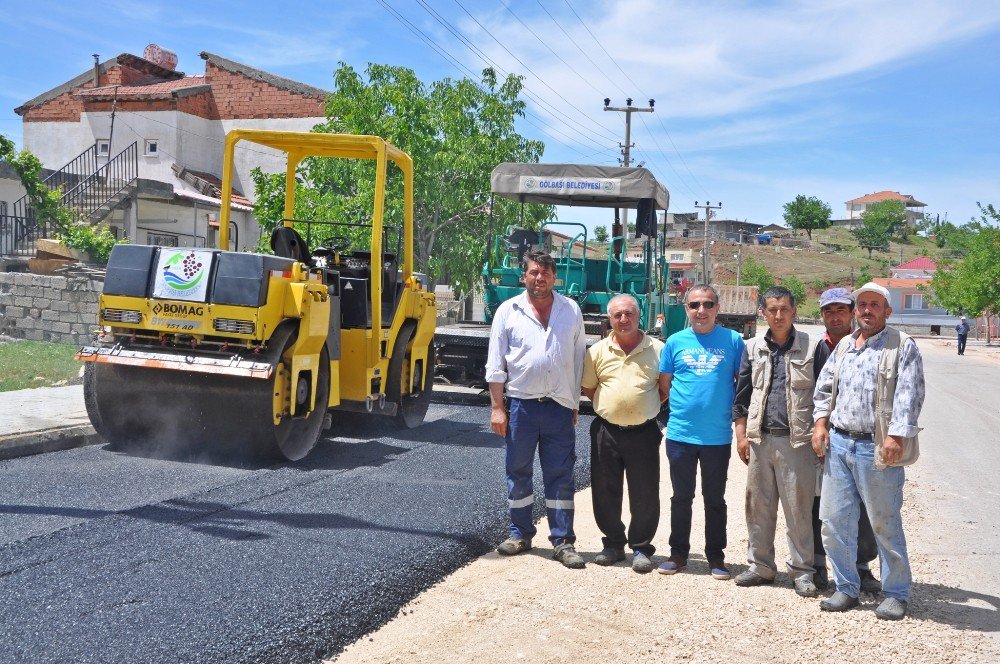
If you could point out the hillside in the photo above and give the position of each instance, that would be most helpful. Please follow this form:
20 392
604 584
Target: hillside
818 267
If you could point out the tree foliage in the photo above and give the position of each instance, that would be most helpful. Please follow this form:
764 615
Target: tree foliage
795 285
878 224
601 234
456 131
972 285
48 208
755 273
807 214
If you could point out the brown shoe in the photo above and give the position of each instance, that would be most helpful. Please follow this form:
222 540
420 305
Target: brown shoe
513 546
567 555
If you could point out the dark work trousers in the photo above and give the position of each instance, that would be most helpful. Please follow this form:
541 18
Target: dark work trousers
961 343
635 454
867 548
684 459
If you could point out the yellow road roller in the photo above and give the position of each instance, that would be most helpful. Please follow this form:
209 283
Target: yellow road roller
208 349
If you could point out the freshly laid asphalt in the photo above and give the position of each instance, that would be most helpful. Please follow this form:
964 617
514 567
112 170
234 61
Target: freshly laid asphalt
109 557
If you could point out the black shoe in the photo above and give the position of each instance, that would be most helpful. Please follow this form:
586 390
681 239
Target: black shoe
820 579
609 556
751 578
838 602
869 584
891 609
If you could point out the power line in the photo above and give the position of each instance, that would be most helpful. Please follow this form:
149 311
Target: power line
638 87
420 34
607 132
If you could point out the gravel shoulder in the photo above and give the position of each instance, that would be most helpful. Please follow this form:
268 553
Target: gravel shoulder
530 608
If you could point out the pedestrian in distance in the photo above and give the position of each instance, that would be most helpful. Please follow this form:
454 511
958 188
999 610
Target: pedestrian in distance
536 353
621 378
867 401
698 370
962 331
773 418
836 306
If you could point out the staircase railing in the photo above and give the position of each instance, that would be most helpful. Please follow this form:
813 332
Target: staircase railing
87 190
104 185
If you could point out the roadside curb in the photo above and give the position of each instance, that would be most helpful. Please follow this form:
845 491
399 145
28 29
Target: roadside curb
50 440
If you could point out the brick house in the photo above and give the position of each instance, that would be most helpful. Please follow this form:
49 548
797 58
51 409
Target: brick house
177 124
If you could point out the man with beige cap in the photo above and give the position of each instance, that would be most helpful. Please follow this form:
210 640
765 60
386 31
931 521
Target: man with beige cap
866 404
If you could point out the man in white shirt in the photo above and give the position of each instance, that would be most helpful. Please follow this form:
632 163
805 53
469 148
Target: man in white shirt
536 351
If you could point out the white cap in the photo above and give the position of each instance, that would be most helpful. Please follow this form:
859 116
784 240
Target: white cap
872 287
964 318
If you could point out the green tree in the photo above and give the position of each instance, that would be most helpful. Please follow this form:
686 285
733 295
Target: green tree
807 214
876 228
456 131
890 215
755 273
972 285
601 234
48 208
795 285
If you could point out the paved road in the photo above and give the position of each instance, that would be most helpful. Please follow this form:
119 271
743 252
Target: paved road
959 468
109 557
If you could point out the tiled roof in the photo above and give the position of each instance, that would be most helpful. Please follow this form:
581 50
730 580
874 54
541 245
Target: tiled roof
160 89
901 283
235 197
908 200
919 263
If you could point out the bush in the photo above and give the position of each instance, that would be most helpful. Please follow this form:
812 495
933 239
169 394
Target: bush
795 285
755 273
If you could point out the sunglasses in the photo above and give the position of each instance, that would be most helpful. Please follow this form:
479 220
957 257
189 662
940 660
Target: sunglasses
708 304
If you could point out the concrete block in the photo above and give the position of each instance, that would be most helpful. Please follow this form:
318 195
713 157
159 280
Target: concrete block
59 305
61 328
33 335
35 291
28 302
48 314
14 312
43 303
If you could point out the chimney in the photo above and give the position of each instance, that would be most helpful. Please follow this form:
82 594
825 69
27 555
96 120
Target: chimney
97 70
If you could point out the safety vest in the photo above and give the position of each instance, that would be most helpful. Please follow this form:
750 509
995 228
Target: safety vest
799 385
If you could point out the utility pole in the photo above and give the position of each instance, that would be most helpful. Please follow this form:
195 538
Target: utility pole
707 207
621 227
739 262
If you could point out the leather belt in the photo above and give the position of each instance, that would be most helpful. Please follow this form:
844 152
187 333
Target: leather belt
854 435
777 432
538 399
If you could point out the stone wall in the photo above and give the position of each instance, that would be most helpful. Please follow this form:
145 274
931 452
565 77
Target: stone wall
48 308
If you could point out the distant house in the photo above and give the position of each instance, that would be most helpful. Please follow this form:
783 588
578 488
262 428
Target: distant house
911 308
687 225
139 145
915 269
856 207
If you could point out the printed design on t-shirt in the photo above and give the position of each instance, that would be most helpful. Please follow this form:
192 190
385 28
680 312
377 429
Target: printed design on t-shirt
702 361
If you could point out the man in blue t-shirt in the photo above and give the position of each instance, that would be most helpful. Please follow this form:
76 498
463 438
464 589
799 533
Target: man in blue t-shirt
698 369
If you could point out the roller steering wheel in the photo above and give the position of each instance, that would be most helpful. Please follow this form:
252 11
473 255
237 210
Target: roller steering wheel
335 244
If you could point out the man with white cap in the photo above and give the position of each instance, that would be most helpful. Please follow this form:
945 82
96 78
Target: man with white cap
962 329
867 401
836 307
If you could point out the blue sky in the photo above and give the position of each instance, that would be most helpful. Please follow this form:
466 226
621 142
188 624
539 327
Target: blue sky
756 102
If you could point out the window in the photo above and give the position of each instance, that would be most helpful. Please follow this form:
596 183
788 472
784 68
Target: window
914 301
676 257
152 147
3 208
161 240
103 147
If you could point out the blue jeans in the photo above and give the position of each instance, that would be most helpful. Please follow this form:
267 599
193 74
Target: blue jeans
684 458
547 426
850 478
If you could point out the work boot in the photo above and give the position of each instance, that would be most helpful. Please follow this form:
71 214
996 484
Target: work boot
869 584
891 609
567 555
751 578
641 563
838 602
804 587
513 546
609 556
820 579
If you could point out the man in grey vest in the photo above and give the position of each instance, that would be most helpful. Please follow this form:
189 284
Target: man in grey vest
773 416
867 401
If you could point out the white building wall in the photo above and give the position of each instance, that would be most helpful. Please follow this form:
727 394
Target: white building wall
10 191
